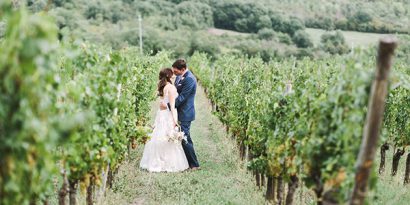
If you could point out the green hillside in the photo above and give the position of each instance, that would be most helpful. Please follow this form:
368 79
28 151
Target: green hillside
278 27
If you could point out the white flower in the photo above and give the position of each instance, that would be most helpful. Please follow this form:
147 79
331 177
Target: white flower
176 136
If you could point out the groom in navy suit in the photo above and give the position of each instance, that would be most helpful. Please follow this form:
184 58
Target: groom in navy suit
186 86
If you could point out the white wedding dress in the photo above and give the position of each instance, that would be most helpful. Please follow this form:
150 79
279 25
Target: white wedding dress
159 154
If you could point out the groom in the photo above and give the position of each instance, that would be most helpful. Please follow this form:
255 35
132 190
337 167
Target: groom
186 86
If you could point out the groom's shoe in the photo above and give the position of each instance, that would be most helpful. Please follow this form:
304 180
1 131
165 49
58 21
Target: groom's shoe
195 168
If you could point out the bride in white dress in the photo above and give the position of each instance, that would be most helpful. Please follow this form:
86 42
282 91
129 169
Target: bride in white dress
160 155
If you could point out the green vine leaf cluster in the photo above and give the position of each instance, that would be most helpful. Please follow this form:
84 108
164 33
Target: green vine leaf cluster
302 118
66 107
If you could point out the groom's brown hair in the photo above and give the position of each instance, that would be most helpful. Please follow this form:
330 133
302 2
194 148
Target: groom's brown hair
179 64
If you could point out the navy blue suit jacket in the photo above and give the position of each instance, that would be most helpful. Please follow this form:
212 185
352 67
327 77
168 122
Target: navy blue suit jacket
186 86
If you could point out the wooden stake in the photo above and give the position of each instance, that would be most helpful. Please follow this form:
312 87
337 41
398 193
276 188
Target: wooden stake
383 149
270 189
407 173
73 192
62 194
374 119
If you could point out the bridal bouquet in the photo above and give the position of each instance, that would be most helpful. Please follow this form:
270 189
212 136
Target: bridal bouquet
176 135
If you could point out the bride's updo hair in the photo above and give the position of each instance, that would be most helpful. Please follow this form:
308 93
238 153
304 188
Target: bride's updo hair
165 76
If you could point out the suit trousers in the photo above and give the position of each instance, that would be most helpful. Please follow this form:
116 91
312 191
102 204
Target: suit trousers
188 145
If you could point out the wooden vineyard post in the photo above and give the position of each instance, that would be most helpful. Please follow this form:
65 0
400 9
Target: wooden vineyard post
271 188
374 119
62 194
383 149
101 192
407 173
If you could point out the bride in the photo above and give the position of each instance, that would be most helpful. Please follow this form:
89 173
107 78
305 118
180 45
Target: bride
160 155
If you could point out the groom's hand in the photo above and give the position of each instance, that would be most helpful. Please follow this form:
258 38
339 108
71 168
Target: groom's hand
163 106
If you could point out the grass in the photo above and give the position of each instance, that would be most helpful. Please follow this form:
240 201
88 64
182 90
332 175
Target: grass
352 38
219 32
222 180
390 190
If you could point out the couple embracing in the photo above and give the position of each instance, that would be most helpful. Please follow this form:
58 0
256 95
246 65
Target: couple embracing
176 110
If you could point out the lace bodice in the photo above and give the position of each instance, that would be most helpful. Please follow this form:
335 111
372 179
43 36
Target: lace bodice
165 99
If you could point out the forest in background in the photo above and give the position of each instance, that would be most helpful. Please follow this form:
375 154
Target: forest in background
276 28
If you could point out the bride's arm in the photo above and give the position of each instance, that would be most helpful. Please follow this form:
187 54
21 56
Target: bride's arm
172 95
